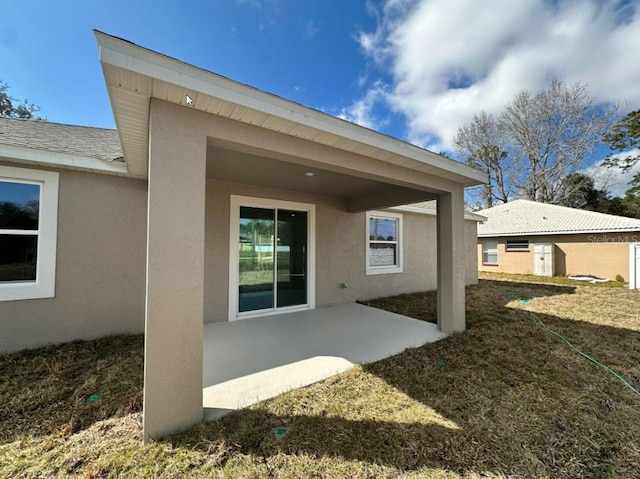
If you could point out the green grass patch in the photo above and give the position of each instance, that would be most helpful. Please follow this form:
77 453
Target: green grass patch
504 399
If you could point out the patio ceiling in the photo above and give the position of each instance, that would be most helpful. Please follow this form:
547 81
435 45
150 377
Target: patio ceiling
134 75
247 168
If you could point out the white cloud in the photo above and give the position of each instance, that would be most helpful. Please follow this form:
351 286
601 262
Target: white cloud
362 111
614 179
449 60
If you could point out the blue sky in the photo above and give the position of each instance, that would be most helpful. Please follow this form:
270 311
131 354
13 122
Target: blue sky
304 51
414 69
19 193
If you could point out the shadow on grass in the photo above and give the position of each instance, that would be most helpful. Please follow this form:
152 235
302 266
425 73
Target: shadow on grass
523 402
518 400
404 446
68 387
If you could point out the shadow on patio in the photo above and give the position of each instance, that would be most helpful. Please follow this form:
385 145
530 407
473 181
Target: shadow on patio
256 359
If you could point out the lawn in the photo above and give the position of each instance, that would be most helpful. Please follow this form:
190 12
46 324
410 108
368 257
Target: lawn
504 399
530 278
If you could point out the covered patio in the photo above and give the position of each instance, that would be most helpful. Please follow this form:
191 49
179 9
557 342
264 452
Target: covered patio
206 146
249 361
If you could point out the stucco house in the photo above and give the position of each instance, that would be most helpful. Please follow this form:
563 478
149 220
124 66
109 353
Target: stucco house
528 237
213 201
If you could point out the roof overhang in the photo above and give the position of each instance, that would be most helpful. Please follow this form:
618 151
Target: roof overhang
468 215
34 156
134 75
556 233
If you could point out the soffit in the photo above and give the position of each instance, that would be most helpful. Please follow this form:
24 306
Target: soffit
134 75
240 167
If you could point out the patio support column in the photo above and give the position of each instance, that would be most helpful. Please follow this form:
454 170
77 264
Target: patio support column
175 274
451 260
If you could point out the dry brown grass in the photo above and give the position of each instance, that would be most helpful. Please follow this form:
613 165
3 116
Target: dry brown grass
505 399
563 280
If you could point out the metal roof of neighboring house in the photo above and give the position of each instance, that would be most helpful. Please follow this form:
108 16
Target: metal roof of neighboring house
89 142
524 217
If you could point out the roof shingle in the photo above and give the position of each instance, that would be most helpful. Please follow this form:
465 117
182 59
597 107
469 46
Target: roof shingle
98 143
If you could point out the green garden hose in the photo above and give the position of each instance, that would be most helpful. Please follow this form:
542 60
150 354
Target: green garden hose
527 302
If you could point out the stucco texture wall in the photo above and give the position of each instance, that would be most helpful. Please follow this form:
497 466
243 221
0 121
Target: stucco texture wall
100 271
101 259
340 251
604 255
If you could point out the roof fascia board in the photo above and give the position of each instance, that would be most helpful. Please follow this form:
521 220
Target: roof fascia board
126 55
427 211
557 233
62 159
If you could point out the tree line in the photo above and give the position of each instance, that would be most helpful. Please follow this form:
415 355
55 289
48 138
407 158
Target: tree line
10 107
536 149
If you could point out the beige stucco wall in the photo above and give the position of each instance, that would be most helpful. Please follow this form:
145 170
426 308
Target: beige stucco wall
605 255
100 272
340 251
101 257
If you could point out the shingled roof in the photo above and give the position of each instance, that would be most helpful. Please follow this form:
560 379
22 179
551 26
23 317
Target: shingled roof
90 142
524 217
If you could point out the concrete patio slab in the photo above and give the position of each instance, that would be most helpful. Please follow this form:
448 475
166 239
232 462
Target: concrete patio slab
248 361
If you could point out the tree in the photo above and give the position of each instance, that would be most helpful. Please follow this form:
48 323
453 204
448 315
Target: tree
482 144
551 133
577 190
624 136
536 141
631 200
11 108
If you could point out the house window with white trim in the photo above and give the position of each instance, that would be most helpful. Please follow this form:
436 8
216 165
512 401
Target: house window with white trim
384 242
28 231
490 252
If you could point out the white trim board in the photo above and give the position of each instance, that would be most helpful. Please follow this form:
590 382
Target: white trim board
42 157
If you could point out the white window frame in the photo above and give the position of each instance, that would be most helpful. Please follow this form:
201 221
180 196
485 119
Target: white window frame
398 268
44 285
484 252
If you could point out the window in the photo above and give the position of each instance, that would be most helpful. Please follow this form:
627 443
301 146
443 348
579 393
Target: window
384 242
489 252
517 245
28 229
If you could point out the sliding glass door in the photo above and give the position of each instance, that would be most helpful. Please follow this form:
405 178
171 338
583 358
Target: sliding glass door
272 259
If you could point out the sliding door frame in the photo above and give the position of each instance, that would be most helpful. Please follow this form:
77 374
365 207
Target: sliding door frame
234 235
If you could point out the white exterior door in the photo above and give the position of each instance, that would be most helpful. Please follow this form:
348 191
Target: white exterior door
543 260
634 266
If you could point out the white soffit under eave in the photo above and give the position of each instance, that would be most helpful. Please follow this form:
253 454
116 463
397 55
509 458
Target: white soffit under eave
134 74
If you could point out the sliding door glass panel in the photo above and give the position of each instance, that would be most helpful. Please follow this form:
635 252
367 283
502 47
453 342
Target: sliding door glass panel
292 258
256 260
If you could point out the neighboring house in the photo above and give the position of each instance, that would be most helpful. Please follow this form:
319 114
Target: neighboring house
534 238
213 201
